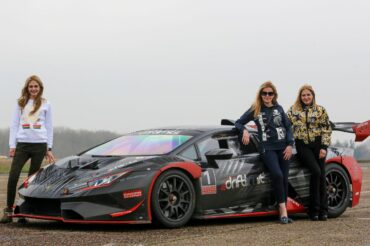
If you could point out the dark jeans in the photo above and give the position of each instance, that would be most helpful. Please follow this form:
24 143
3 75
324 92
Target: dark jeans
23 152
279 171
309 156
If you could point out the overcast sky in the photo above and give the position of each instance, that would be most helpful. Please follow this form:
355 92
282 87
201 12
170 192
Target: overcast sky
129 65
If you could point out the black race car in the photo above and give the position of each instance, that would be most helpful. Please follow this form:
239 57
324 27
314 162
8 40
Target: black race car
174 174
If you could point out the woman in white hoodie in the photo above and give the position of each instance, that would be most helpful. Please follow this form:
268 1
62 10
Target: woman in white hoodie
31 137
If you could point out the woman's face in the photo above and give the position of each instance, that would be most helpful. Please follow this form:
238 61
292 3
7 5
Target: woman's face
267 95
33 89
306 97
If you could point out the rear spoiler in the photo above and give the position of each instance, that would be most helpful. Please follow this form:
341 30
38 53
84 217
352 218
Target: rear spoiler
362 130
227 122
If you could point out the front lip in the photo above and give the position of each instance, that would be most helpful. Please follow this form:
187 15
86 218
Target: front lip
57 218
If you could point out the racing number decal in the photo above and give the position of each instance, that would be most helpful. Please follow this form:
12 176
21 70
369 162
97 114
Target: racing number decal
208 183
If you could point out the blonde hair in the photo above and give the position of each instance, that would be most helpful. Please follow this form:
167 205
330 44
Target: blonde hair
298 102
256 106
25 96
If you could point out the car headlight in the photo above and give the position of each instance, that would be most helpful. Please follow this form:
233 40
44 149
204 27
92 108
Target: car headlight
104 180
94 183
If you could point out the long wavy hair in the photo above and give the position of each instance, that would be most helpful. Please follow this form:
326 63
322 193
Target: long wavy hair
256 106
297 106
25 96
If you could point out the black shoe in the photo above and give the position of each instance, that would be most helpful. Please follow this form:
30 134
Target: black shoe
314 217
285 220
8 212
323 217
22 220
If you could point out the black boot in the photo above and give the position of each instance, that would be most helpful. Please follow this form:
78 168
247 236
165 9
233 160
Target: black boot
323 217
8 212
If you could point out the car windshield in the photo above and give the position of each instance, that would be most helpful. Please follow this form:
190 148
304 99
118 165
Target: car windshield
139 145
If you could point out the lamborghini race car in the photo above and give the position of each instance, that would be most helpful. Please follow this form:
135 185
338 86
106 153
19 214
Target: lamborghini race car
174 174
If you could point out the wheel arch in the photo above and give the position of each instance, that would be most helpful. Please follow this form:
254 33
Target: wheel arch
354 172
342 165
192 170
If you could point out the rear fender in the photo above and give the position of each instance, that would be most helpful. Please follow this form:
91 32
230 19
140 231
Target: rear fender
354 172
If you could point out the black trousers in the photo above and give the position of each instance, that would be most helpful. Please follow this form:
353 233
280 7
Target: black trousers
309 156
23 152
279 171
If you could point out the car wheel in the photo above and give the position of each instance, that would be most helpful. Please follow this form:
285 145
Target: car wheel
338 187
173 199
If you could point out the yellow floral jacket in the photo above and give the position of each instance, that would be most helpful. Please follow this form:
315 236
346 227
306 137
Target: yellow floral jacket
310 123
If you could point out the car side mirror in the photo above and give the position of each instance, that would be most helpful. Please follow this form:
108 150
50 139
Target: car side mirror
217 154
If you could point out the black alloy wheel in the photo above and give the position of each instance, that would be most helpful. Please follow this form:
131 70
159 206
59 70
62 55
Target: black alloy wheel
338 188
173 199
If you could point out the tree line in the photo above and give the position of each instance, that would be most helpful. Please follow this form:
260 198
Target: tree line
66 141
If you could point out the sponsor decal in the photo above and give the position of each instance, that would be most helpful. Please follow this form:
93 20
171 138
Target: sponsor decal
209 190
235 182
208 183
132 194
261 178
242 181
159 132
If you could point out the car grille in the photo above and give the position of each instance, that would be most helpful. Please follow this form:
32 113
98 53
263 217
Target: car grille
39 206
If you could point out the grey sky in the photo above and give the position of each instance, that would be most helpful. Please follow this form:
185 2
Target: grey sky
128 65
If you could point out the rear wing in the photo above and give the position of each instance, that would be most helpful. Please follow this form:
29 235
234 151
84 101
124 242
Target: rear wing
361 130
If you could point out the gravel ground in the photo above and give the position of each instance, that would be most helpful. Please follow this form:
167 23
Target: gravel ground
352 228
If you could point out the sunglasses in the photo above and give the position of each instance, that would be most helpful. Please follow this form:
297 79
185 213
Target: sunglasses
270 93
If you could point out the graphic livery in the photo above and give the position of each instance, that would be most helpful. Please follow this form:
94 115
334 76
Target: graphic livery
143 176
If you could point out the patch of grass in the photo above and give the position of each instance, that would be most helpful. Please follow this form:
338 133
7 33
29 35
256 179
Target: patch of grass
6 163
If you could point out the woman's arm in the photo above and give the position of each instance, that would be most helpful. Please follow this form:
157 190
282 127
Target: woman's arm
50 134
289 136
326 130
244 119
239 124
14 125
288 127
49 126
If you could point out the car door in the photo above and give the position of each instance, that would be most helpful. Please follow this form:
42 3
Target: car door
239 184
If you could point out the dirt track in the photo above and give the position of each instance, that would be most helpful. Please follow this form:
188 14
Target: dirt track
352 228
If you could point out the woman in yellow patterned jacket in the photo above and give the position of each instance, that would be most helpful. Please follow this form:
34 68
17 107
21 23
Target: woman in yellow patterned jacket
312 134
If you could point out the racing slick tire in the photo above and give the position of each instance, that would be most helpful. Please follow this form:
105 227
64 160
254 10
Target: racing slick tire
338 188
173 199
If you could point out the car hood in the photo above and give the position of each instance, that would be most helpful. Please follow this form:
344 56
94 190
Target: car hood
74 172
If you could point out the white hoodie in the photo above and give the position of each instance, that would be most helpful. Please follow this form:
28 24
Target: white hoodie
35 128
